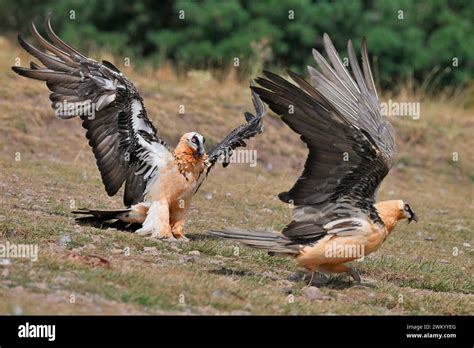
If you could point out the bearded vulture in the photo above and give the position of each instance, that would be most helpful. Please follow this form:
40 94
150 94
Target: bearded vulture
159 181
351 149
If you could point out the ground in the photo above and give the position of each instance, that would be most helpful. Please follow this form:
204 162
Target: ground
47 170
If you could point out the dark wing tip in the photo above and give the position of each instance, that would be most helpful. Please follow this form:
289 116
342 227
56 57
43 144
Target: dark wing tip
249 116
284 197
20 71
110 66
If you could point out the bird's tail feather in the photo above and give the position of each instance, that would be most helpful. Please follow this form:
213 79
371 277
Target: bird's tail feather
101 215
267 240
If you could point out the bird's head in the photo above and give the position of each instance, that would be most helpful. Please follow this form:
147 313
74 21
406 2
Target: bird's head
393 211
406 212
195 142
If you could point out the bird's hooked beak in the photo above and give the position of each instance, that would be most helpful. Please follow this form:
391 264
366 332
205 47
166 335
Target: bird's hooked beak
200 150
412 216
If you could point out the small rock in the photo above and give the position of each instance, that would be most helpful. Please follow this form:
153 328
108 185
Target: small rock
266 211
42 286
466 245
443 261
208 195
287 290
64 240
5 262
240 312
419 234
429 239
218 294
270 275
17 310
217 262
458 228
313 293
194 253
150 250
228 194
186 259
117 251
419 178
174 247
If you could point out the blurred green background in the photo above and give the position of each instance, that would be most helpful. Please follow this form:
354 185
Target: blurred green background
418 40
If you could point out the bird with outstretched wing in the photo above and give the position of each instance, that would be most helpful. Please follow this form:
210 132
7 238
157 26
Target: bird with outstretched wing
351 149
159 182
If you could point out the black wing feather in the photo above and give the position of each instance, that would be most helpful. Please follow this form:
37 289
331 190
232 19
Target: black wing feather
237 137
122 138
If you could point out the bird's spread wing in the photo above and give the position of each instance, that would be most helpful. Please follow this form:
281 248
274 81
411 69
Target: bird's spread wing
223 150
351 146
123 139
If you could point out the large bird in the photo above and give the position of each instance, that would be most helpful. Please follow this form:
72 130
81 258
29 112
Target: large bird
351 149
159 181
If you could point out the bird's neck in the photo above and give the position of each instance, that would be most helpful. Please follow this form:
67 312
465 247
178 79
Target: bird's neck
187 162
390 213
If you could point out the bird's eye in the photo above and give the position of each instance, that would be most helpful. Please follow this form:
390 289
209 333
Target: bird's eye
194 140
407 207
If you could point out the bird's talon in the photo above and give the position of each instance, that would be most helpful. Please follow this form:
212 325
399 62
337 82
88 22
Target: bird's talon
355 275
141 232
168 239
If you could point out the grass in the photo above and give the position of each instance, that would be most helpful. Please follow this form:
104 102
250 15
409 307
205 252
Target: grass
423 268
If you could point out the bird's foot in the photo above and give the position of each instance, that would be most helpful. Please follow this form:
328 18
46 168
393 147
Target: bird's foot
163 234
180 237
178 233
354 274
156 233
143 231
311 279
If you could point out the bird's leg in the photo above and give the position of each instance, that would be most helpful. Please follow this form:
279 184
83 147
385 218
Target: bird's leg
341 268
157 222
177 218
178 230
311 279
354 274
